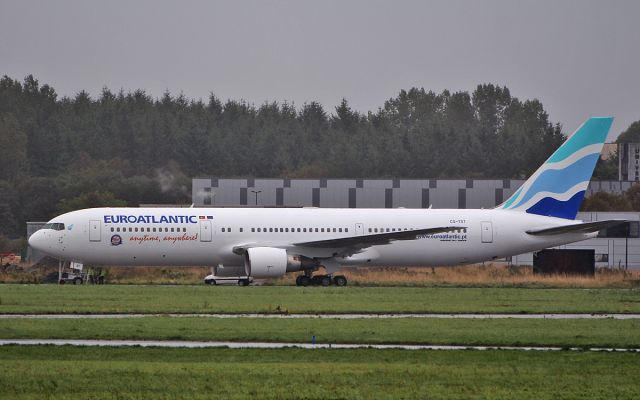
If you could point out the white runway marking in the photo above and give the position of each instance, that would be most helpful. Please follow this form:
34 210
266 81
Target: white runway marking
281 345
325 316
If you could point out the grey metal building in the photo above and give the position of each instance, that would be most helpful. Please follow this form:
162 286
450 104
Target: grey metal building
365 193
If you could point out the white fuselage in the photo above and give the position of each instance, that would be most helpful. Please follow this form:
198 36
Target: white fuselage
207 236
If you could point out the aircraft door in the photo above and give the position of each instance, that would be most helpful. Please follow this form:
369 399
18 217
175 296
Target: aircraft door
487 231
359 229
206 231
95 230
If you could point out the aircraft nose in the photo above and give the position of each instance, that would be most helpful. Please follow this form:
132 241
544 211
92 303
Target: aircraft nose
37 241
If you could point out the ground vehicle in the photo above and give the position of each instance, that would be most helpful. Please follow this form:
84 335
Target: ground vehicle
212 279
75 277
221 275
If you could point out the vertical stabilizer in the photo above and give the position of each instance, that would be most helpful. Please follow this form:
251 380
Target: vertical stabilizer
557 188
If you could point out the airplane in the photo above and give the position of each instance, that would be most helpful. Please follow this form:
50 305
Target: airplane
270 242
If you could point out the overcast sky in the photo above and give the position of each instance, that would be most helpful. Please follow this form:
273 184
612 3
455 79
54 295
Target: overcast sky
579 58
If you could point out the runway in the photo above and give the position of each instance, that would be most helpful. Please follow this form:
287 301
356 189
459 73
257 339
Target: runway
325 316
281 345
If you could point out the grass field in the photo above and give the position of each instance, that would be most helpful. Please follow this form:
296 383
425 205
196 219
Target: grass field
479 275
35 372
272 299
501 332
135 373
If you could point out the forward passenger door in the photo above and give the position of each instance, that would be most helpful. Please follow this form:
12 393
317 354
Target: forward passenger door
206 230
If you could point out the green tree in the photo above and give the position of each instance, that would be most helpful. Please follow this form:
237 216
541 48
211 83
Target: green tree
633 196
607 169
631 135
603 201
13 148
90 200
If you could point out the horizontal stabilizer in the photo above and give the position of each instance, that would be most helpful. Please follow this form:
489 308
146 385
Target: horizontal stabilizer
377 238
586 227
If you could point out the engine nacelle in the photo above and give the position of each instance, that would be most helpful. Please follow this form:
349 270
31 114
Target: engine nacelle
269 262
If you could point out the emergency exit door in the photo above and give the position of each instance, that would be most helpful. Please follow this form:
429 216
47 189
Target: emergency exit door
205 230
359 229
487 231
94 230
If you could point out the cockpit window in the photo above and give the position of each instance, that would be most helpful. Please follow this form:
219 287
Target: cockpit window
56 226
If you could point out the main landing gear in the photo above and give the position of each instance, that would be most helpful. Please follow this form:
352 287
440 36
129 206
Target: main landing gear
321 280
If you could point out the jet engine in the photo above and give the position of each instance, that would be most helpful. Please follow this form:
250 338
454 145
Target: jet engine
269 262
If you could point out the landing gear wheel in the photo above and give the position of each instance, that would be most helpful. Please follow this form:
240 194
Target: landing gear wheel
62 282
339 280
303 280
243 282
211 282
77 281
325 281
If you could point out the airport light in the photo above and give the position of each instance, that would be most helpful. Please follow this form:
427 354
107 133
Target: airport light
256 193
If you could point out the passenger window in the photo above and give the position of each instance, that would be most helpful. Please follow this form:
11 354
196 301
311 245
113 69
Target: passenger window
339 229
184 229
298 229
222 229
321 229
346 229
118 229
112 229
228 229
286 229
241 229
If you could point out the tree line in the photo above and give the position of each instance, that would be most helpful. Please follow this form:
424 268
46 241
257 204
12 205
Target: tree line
128 148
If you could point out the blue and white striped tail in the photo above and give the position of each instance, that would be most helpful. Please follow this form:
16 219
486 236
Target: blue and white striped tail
557 188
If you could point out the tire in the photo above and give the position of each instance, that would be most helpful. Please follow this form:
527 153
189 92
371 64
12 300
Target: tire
243 282
339 280
305 280
77 281
325 281
298 280
210 282
62 282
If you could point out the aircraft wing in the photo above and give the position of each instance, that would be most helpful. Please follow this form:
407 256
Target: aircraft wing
354 244
585 227
376 239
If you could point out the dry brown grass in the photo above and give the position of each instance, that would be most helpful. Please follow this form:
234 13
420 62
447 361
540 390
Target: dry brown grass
489 275
117 275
